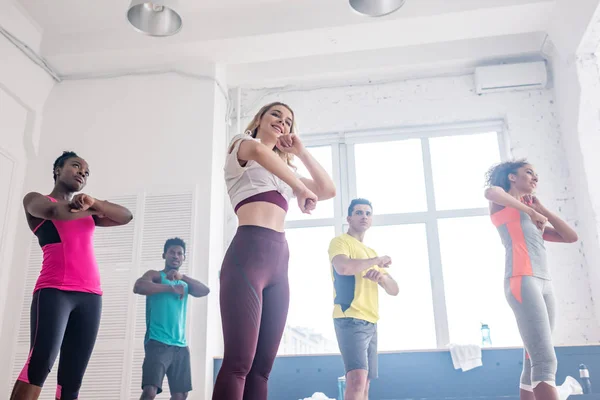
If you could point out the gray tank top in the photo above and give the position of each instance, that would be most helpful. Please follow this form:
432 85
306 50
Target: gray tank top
524 244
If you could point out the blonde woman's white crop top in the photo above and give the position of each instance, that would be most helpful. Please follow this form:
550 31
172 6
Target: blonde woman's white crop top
252 179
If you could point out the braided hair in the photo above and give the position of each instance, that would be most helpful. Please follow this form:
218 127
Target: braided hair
60 161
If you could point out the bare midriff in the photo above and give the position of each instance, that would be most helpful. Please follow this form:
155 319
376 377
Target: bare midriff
261 213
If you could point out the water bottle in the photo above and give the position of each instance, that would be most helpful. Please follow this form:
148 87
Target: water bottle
584 377
341 387
486 340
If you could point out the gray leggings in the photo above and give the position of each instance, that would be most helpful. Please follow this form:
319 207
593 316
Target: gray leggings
533 303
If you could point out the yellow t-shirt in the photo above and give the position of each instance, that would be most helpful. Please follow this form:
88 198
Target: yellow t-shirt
354 296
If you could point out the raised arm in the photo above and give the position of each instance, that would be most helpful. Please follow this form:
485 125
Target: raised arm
195 288
149 284
255 151
321 183
389 284
345 265
560 231
111 214
383 279
41 207
106 213
499 196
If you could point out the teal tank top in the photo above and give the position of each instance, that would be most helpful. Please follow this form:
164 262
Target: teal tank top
166 315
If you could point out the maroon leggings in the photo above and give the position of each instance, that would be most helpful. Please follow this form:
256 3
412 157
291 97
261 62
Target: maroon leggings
254 298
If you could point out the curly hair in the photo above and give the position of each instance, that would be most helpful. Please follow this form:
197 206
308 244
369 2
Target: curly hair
174 242
498 174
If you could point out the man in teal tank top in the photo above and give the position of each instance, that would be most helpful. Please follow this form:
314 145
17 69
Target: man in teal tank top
165 343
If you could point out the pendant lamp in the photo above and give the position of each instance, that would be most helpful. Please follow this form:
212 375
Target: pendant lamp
155 18
376 8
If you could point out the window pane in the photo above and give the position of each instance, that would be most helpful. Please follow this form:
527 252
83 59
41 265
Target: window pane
324 208
473 265
459 164
384 171
309 327
406 321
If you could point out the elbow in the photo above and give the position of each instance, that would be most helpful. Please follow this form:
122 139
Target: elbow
572 238
51 213
493 192
136 288
341 270
489 193
202 292
128 217
329 192
395 292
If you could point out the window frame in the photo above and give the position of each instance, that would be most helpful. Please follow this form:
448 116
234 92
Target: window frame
344 175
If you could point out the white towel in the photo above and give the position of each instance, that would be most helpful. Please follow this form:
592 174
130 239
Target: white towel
318 396
465 356
569 387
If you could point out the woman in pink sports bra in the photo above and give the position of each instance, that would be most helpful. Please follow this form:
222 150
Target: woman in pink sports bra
67 299
254 297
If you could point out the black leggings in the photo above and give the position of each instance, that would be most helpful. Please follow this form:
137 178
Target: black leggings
65 321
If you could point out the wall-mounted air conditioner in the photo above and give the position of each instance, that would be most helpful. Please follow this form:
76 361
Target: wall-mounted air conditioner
522 76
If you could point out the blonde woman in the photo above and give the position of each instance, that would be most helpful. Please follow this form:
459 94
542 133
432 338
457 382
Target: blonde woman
254 297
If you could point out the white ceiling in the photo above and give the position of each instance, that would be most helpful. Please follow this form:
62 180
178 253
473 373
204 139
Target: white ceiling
281 39
73 16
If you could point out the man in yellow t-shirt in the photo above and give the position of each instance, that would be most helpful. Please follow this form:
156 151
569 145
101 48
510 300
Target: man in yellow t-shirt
357 273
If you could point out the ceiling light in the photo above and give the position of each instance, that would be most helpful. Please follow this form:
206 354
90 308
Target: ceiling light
154 18
376 8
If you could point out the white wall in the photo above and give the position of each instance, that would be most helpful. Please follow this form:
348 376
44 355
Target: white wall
534 133
568 25
219 204
143 136
577 86
24 88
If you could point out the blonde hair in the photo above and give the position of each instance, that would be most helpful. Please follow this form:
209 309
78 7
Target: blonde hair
252 129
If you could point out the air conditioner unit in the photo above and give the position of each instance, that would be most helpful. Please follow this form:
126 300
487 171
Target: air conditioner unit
510 77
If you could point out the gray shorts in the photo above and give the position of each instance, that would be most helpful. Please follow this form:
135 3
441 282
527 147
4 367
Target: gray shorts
357 340
173 361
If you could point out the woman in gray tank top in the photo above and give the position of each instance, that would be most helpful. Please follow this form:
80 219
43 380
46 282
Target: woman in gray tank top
522 220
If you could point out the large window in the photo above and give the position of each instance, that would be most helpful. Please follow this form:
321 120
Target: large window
430 217
406 321
390 174
473 278
309 324
325 210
